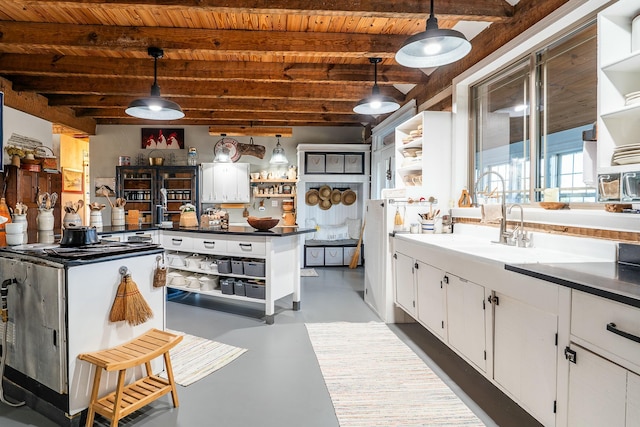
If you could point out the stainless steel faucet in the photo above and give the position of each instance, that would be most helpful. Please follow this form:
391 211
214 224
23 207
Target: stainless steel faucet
503 221
519 236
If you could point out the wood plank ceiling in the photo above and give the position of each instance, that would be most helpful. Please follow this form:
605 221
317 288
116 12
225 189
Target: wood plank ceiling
240 63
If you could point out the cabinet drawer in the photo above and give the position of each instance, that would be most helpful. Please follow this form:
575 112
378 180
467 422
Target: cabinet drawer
314 256
176 242
333 256
600 321
209 245
246 247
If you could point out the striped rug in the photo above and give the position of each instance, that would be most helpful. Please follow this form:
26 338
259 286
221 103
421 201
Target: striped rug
374 379
194 358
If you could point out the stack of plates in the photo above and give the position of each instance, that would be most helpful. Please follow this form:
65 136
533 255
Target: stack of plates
626 154
632 98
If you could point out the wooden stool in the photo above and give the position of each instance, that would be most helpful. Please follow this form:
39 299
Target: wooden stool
125 400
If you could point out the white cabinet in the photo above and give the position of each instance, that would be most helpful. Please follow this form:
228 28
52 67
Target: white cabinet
525 354
405 295
423 154
618 76
604 368
431 298
225 183
279 255
465 318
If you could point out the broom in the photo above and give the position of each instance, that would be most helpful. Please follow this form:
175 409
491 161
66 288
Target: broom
356 254
129 304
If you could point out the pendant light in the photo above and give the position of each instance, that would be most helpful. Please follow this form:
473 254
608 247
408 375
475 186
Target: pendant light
376 104
278 157
433 47
154 107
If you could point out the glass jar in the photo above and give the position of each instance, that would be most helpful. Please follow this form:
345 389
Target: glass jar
192 156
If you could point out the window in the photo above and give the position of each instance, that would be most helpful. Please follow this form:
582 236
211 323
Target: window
538 109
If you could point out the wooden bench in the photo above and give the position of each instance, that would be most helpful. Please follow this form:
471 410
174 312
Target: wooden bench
127 399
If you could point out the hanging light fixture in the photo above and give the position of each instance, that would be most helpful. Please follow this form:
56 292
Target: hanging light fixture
222 153
278 157
154 107
433 47
376 104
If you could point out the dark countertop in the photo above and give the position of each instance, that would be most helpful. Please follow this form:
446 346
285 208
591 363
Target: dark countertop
617 282
126 229
245 231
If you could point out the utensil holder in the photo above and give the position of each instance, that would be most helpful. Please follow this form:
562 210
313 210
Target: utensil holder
117 216
95 219
45 220
71 220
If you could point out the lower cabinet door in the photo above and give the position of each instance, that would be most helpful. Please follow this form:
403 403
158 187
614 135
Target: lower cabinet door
431 298
525 354
465 317
633 399
597 391
405 295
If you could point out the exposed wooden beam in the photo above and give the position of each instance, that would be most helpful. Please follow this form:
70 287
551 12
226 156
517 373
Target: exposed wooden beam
36 105
182 88
284 132
240 42
211 104
81 66
235 115
487 10
210 122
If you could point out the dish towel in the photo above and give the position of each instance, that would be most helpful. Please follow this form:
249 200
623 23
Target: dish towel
491 214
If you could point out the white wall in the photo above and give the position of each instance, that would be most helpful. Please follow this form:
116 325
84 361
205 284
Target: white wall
15 121
112 141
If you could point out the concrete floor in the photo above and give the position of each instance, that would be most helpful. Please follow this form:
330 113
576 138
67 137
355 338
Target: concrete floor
278 382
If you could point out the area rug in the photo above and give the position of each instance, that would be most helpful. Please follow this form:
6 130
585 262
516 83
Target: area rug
194 358
308 272
374 379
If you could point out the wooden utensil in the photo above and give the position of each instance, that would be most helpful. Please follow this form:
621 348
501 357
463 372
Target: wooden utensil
356 255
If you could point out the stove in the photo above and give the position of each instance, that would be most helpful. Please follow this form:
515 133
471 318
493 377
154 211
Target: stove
98 250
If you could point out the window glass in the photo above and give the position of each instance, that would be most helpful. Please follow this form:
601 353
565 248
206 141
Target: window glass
502 133
567 107
506 118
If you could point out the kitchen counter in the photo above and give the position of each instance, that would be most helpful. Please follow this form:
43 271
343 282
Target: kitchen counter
618 282
244 230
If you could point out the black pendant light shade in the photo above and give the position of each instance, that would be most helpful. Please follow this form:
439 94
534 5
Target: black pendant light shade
433 47
376 103
155 107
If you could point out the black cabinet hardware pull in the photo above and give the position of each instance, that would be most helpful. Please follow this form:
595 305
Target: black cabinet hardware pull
246 245
611 327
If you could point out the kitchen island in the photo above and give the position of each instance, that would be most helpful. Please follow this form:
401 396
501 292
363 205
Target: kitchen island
58 305
251 266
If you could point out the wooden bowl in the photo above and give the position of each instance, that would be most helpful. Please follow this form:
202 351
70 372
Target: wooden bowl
262 224
553 205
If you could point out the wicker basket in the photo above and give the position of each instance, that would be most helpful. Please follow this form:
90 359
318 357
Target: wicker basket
48 161
188 219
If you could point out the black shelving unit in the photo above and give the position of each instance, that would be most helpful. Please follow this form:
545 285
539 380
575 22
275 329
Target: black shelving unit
140 187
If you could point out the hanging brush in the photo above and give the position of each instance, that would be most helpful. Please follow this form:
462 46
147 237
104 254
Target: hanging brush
398 218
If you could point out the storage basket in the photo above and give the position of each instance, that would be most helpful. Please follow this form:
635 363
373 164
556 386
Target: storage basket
254 290
227 285
224 266
236 267
254 268
239 287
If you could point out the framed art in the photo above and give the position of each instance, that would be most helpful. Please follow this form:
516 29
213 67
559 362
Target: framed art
71 180
102 184
162 138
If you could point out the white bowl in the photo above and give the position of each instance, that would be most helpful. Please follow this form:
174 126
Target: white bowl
14 228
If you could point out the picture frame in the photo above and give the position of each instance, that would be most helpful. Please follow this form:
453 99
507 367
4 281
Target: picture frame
109 185
162 138
72 180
